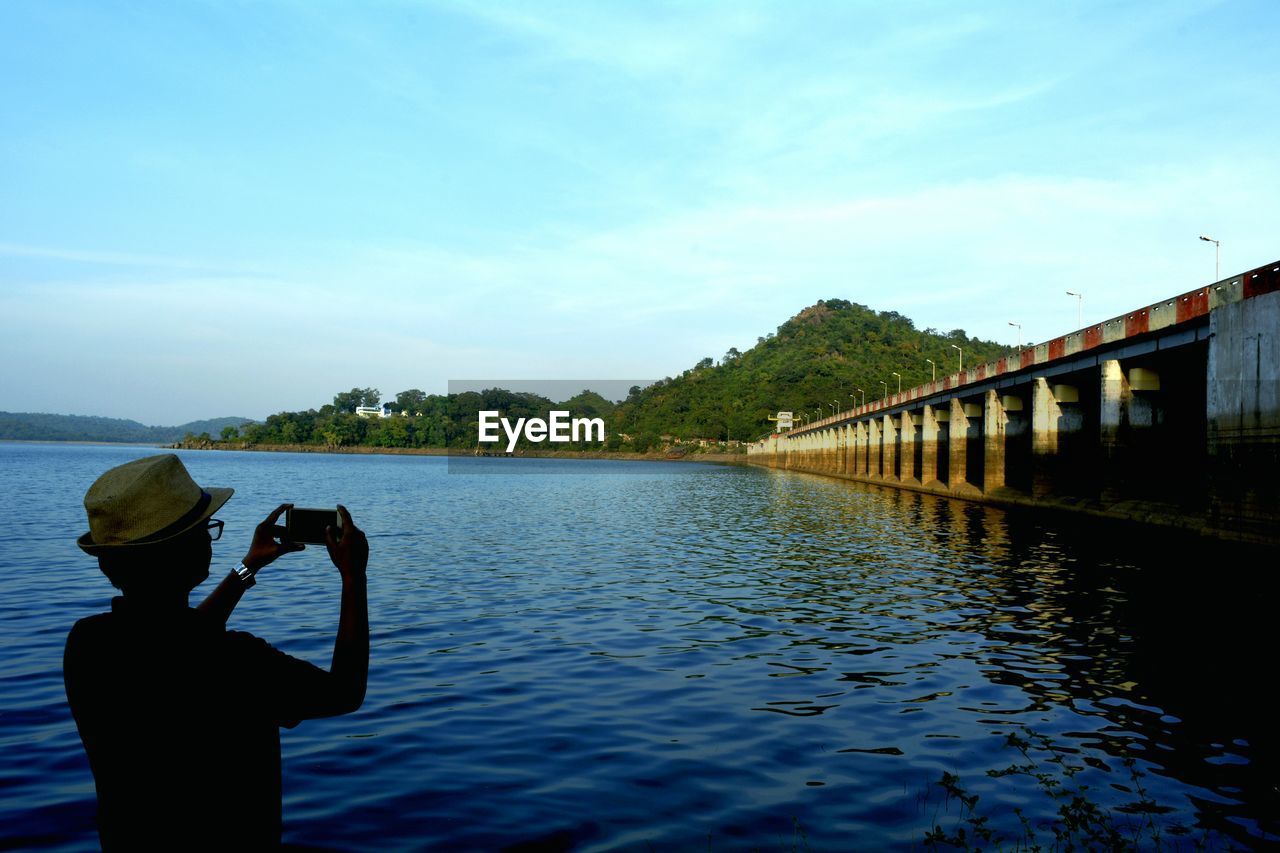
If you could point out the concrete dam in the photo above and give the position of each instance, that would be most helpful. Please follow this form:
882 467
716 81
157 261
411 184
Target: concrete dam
1169 414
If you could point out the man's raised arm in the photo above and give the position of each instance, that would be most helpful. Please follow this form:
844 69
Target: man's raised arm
269 542
350 667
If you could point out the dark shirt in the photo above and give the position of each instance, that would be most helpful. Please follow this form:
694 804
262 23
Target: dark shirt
180 719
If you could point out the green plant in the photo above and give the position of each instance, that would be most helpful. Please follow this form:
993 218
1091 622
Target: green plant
1079 821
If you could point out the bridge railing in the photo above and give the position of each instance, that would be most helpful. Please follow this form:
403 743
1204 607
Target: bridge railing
1183 308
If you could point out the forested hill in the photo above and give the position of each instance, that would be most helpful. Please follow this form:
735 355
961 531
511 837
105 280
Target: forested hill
816 358
32 426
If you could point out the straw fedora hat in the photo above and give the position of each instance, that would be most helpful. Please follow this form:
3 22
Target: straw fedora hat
144 502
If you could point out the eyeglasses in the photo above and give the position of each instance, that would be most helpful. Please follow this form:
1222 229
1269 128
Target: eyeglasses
214 526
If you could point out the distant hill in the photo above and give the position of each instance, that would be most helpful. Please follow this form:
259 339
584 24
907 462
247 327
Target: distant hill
817 358
31 426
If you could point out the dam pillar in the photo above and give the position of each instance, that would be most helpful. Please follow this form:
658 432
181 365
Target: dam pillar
864 451
873 447
1112 406
928 446
874 450
889 438
1243 411
958 446
867 448
994 421
1113 416
907 444
1045 413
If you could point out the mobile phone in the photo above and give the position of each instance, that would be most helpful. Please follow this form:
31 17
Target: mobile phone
307 525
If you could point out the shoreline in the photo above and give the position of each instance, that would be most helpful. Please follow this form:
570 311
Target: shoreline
719 458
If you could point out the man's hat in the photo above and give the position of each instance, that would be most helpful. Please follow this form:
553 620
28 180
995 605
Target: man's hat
146 501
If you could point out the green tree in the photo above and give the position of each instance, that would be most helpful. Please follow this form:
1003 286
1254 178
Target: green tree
412 401
393 432
347 401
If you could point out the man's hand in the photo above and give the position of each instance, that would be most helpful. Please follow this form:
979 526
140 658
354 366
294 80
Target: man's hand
265 547
350 553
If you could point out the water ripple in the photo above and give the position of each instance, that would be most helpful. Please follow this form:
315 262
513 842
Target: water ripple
614 655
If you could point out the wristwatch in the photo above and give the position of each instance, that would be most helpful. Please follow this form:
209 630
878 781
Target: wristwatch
245 574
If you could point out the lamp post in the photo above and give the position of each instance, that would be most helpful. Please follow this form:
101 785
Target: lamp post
934 368
1019 325
886 388
833 407
1217 245
899 375
1079 308
864 395
957 349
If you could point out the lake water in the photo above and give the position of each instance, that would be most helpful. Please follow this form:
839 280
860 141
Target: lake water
598 655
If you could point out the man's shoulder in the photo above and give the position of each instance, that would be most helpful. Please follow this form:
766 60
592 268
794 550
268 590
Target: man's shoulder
246 643
88 628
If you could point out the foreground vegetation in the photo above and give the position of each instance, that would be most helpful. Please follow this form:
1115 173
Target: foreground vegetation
1073 814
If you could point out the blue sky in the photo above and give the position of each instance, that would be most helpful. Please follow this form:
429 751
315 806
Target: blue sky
237 208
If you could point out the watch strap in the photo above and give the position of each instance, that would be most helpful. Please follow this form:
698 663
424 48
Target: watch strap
245 574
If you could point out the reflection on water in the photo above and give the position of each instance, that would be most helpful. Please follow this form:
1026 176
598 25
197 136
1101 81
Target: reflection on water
674 655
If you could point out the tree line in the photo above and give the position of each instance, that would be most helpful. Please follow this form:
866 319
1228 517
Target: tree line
829 357
420 420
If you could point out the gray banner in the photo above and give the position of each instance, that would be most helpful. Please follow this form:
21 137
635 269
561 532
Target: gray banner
534 425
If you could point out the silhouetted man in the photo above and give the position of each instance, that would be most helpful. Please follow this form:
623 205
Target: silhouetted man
180 717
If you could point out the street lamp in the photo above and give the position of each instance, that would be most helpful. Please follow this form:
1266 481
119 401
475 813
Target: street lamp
935 369
886 388
1079 308
833 407
863 393
1217 245
899 375
957 349
1019 325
